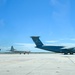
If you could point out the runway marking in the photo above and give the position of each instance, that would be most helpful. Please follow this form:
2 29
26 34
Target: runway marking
36 68
71 60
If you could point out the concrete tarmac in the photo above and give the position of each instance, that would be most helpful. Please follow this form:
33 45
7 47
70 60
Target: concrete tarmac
37 64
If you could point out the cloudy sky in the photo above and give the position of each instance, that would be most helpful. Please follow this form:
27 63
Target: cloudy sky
53 20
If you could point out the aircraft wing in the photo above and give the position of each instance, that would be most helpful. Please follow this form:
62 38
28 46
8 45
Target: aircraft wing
66 47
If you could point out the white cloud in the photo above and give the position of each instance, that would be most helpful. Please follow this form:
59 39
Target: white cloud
59 40
52 41
67 42
25 44
73 39
69 39
3 48
68 45
28 46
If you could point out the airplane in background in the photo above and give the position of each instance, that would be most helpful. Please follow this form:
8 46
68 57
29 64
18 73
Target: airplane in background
57 49
16 51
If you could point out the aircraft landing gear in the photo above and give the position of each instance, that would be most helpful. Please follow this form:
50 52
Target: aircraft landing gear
65 53
71 53
24 53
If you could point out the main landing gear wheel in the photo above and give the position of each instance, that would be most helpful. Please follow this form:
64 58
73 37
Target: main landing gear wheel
65 53
71 53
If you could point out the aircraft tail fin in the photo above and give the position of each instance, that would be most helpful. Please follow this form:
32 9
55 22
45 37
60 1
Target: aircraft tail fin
37 41
12 48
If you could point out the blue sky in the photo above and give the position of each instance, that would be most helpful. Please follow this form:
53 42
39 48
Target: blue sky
53 20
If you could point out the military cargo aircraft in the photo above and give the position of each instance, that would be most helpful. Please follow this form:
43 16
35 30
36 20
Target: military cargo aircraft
17 51
57 49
